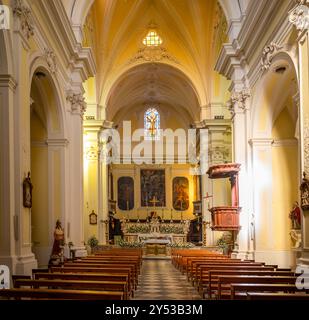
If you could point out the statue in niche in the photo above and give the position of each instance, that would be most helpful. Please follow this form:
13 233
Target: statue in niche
295 216
304 190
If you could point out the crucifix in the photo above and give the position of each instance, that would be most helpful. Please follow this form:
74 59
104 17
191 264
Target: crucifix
154 201
207 199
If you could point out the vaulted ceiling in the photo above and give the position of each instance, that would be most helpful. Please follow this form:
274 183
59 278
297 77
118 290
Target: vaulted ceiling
181 72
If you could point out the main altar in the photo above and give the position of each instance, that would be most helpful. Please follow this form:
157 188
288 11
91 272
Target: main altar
155 235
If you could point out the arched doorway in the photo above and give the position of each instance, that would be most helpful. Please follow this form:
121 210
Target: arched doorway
275 148
46 163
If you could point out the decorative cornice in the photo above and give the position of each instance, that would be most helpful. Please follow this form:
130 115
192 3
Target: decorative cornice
152 54
268 54
78 104
25 16
299 16
50 59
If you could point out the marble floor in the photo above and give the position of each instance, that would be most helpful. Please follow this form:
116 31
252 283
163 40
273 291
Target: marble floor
160 280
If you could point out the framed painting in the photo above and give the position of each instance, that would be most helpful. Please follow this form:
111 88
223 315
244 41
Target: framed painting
93 218
125 193
180 193
153 188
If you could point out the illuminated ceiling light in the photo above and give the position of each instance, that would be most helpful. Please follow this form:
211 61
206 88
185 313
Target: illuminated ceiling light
152 39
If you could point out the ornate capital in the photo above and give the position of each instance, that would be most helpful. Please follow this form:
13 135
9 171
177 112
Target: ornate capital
267 55
25 16
299 16
78 104
50 59
239 98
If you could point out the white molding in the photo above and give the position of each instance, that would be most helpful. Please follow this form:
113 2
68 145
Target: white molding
261 142
57 142
285 143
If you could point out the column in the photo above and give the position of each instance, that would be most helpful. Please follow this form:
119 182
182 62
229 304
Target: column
103 217
21 42
8 220
76 109
299 18
240 101
263 231
91 175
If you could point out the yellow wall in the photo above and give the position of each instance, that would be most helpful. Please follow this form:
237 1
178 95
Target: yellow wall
285 192
39 158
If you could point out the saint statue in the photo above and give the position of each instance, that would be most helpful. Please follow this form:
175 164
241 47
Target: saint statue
295 216
58 239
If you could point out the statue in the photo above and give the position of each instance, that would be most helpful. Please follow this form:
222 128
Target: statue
304 189
57 251
155 223
295 216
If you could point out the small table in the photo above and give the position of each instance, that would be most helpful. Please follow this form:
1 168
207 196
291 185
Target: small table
156 246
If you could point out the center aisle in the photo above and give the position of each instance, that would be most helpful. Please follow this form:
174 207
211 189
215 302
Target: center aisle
160 280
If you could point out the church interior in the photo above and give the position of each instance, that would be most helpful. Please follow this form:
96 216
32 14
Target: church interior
148 139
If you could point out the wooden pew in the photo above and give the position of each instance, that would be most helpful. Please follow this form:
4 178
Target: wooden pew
105 265
240 290
113 270
16 277
227 280
87 277
203 277
120 286
213 276
60 294
277 296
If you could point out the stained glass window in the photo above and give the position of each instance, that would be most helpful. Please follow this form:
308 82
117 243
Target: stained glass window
152 39
152 124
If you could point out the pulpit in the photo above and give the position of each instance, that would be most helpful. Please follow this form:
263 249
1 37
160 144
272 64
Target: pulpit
226 218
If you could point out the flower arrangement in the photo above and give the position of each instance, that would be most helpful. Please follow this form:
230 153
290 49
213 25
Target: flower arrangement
180 245
139 229
171 229
126 244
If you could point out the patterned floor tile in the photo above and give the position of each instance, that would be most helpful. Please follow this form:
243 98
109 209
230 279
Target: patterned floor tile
159 280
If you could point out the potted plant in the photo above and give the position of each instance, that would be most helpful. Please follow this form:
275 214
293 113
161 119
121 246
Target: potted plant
221 243
93 242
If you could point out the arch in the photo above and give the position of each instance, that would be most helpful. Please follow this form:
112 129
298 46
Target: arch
262 122
53 105
77 10
131 69
275 159
48 156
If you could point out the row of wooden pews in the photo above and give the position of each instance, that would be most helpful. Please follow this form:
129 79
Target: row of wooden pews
217 276
108 275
